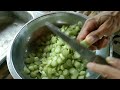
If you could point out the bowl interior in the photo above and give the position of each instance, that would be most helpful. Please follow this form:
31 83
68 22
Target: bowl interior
19 46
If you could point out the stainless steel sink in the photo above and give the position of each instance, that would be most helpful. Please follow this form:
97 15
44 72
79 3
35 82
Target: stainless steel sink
11 23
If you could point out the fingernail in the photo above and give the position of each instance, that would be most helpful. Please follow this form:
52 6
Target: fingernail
109 59
90 65
90 40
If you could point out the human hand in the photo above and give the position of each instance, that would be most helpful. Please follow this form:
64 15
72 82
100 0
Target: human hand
108 72
97 30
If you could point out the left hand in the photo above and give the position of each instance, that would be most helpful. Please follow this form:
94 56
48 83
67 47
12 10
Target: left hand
97 30
109 72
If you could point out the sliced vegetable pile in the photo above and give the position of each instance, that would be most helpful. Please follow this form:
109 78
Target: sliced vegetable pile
55 59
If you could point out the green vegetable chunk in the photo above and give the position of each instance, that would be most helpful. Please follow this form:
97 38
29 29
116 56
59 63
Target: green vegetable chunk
53 58
84 44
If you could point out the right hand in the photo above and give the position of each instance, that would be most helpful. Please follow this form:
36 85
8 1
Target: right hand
97 30
108 72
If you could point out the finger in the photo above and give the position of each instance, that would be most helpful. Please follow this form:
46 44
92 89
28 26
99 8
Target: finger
114 62
92 47
104 70
101 43
94 36
90 25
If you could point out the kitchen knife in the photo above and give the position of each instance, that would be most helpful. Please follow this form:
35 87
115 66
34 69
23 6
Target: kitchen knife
84 52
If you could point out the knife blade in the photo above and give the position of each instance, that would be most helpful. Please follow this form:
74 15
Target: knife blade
84 52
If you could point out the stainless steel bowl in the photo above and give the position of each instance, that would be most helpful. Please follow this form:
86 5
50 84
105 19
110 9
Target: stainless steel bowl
15 57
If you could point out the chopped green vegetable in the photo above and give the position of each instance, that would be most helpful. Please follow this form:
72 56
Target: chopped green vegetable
81 77
59 61
65 72
77 64
69 63
74 77
54 63
76 55
82 73
87 74
36 59
34 74
84 44
45 78
65 52
73 71
61 77
55 59
35 67
26 70
31 68
29 60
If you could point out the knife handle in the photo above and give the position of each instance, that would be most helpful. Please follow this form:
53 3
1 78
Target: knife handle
100 60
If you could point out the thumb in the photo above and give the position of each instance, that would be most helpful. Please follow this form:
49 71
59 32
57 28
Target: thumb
89 26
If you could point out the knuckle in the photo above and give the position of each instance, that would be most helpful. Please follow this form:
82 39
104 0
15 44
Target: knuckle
94 67
90 19
105 69
116 62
